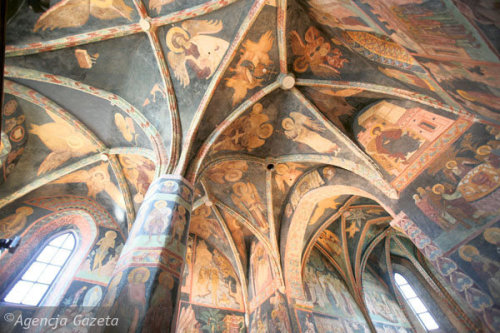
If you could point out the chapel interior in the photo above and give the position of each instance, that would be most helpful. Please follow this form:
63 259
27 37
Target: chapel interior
250 165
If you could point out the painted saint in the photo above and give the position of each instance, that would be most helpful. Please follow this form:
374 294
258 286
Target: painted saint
302 129
247 199
190 45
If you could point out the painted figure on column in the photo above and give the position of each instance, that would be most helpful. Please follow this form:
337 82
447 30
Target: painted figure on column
150 290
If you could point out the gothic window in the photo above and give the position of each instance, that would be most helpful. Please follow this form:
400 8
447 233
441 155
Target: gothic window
416 304
42 272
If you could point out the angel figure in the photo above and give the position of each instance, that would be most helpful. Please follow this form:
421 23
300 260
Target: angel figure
63 140
75 13
97 180
254 66
190 45
287 173
248 200
303 129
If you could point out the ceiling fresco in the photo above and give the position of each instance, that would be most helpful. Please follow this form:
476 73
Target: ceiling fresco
305 127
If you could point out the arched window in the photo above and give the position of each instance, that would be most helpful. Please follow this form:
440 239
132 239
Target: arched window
42 272
415 303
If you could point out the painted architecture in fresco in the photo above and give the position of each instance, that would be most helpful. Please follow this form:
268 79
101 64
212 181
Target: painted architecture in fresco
251 165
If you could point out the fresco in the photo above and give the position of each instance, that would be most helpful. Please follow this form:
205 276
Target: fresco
459 193
214 281
13 136
63 146
382 306
97 179
316 54
139 172
447 33
332 306
339 14
395 135
474 86
195 318
271 316
238 188
479 259
261 274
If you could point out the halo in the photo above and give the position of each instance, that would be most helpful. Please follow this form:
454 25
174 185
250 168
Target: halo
281 168
160 204
438 189
451 164
233 175
171 35
133 273
288 124
483 150
492 235
468 248
10 107
110 233
24 210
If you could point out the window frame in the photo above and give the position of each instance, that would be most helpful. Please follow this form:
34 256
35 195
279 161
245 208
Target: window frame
418 297
33 258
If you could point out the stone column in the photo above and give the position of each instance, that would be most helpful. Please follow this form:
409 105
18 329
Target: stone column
143 292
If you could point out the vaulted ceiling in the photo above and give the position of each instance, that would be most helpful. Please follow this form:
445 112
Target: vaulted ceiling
249 100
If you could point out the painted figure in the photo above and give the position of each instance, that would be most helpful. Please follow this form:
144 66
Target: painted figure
13 224
97 180
488 270
105 244
248 132
394 143
75 13
178 224
228 171
253 68
247 199
321 207
126 127
62 140
304 130
287 173
139 171
190 45
159 315
157 220
131 302
316 54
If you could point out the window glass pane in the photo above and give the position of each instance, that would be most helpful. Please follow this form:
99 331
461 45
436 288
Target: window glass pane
59 240
407 291
49 274
34 271
69 244
399 279
417 305
60 257
47 254
18 292
35 294
428 321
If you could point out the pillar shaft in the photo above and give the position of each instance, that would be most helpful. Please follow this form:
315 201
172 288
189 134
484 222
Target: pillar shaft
143 291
